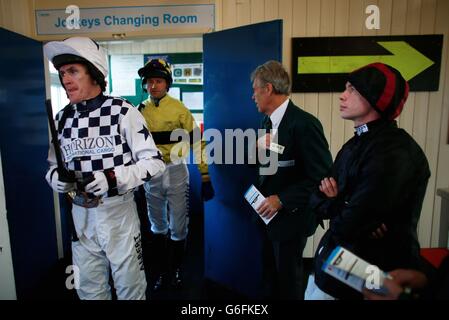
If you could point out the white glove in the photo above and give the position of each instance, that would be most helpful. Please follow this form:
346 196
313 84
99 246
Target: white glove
58 186
99 186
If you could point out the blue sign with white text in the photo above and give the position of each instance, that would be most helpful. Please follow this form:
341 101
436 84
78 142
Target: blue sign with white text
74 20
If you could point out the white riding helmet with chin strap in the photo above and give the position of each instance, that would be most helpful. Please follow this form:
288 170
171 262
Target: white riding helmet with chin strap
71 49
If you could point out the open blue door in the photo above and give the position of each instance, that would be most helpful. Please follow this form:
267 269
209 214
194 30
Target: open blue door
232 241
24 148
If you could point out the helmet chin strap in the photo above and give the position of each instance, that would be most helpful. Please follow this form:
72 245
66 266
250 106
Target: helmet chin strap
157 100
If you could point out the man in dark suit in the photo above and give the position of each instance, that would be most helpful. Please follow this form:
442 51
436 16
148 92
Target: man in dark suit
303 158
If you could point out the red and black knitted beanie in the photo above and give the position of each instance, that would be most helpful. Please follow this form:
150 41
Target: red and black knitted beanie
383 86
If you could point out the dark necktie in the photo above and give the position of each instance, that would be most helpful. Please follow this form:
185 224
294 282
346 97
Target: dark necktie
267 125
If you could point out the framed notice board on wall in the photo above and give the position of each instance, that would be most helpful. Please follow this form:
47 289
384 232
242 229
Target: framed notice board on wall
187 70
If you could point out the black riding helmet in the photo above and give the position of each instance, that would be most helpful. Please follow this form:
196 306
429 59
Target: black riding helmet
156 68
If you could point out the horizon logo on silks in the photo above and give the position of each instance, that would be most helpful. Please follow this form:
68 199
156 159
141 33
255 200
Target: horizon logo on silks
88 147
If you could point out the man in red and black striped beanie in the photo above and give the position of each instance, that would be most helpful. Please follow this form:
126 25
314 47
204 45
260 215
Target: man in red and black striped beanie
382 86
374 193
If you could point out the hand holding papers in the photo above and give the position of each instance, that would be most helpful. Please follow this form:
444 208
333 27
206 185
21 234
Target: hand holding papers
255 199
354 271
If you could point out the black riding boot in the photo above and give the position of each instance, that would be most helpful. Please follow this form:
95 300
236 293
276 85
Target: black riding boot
160 263
177 249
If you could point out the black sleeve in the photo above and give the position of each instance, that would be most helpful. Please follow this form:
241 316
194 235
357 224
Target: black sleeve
313 153
385 174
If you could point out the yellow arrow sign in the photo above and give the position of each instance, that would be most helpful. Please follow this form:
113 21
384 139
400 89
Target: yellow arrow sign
409 61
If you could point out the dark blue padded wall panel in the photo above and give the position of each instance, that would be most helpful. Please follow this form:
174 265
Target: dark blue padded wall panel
232 240
24 148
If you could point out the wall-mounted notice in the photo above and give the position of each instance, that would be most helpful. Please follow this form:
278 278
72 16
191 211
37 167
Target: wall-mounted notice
175 92
188 73
124 72
193 100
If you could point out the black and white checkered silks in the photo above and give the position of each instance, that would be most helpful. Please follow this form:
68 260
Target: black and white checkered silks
113 135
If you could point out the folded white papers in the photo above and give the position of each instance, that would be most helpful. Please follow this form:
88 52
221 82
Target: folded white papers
354 271
255 199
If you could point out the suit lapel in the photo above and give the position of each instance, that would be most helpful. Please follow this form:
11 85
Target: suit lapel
283 127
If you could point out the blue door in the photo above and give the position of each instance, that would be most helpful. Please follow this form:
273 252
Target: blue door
232 241
24 148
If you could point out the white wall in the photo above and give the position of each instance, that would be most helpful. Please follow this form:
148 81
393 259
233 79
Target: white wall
154 46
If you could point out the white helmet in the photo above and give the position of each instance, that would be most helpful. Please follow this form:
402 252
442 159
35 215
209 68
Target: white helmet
76 50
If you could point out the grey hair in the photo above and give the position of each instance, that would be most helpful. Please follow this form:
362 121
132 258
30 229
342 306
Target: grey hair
273 72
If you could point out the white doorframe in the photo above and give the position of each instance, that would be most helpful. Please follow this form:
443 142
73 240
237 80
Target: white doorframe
7 280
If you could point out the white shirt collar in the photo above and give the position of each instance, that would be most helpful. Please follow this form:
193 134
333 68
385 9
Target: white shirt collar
278 114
